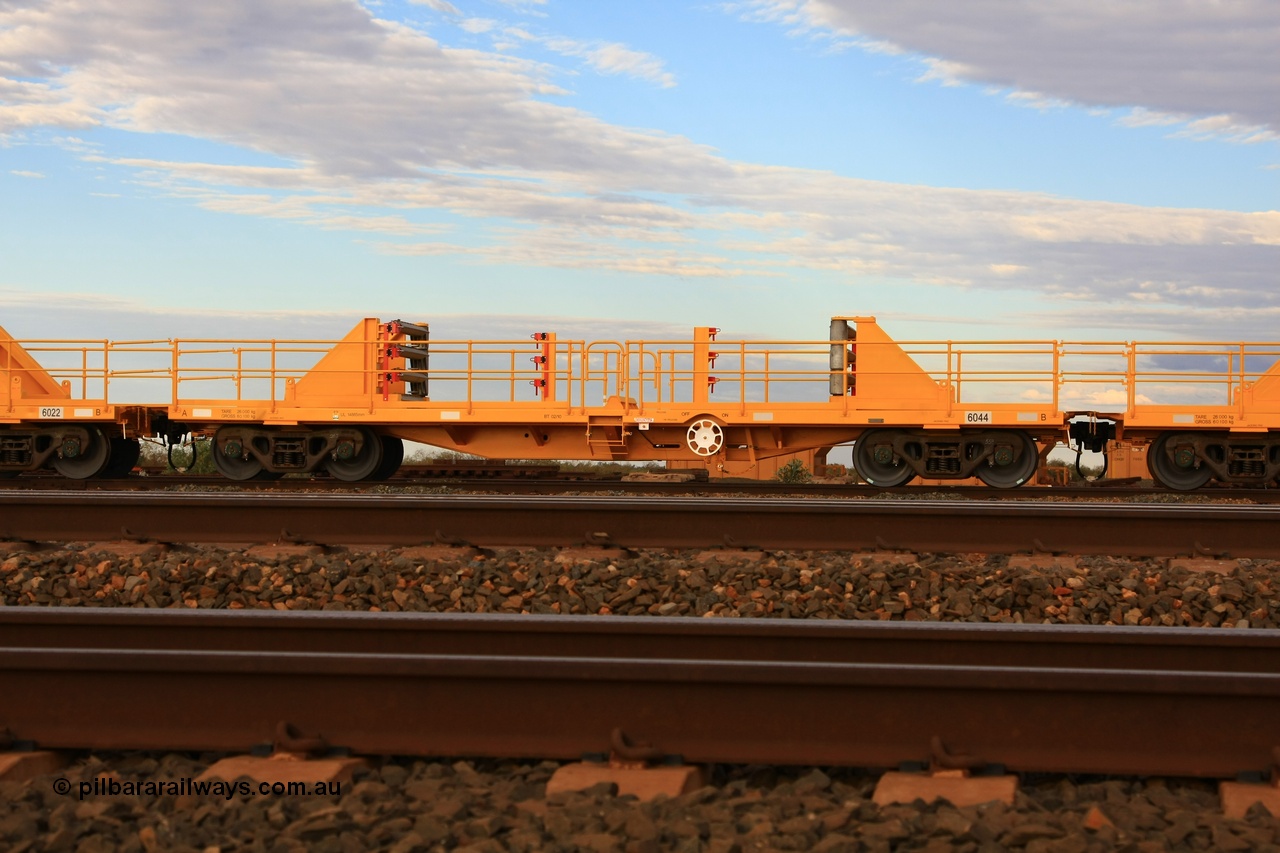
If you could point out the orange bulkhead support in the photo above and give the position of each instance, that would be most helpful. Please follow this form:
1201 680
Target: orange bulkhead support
546 361
703 361
23 376
886 373
348 374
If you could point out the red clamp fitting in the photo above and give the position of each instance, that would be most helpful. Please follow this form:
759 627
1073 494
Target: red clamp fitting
711 384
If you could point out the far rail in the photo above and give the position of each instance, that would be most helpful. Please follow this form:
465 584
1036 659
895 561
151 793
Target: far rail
1121 530
1110 490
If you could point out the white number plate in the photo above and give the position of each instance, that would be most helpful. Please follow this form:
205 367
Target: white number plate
977 417
51 412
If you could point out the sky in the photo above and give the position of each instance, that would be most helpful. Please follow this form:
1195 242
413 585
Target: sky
988 169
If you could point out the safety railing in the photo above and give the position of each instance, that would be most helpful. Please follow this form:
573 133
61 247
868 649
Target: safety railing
1213 373
988 371
93 371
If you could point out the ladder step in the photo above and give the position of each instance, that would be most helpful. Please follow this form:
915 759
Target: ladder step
606 433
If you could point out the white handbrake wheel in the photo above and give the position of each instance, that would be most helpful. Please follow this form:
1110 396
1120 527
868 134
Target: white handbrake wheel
705 437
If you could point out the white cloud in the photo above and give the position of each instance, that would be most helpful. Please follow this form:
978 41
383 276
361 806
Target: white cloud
439 6
478 25
1181 59
1142 117
614 58
619 59
25 173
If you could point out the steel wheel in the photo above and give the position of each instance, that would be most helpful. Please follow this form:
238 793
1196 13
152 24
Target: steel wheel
82 462
705 437
1002 473
1177 472
124 455
876 461
363 464
392 456
234 461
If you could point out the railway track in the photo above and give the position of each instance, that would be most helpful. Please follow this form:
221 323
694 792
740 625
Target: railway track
947 526
1031 698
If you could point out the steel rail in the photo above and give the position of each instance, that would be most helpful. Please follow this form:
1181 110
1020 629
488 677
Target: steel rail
932 643
695 522
861 705
547 485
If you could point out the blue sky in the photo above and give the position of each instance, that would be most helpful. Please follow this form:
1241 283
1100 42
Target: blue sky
612 169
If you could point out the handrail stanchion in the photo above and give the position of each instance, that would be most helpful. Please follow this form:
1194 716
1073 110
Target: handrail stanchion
1240 395
106 373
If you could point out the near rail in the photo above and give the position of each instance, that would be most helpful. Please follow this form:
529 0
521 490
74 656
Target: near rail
1031 698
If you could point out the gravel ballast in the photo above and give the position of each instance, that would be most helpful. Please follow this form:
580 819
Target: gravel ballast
407 805
816 585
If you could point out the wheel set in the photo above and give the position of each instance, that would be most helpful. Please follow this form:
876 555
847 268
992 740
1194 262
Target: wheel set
99 456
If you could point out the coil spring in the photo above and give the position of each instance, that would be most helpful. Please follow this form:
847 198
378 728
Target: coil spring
934 465
19 456
288 459
1247 468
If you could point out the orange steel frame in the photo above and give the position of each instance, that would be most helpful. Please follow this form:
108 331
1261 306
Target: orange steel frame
545 398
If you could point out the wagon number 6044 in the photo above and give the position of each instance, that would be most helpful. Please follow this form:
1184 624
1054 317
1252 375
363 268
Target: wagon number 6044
977 417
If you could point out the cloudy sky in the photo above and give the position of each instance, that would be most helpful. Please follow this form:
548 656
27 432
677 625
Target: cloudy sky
1064 168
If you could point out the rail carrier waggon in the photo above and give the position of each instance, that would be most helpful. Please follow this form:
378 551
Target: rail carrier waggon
936 409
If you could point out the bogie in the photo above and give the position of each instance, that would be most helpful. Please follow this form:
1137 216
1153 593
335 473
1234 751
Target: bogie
1004 459
1185 461
347 453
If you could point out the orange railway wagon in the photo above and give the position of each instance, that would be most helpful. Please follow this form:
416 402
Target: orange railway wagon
934 409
